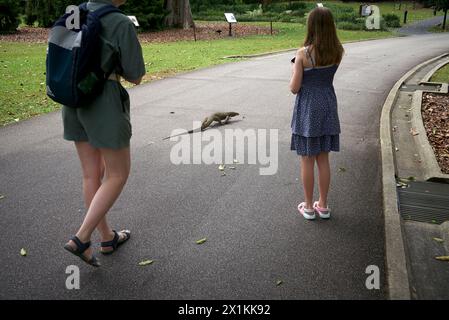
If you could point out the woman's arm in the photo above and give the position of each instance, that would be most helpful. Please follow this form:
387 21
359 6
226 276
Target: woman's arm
296 80
136 81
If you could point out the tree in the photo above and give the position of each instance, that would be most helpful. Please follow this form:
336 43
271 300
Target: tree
442 5
9 12
46 12
149 13
180 14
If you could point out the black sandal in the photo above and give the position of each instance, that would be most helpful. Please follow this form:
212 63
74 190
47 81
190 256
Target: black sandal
80 249
115 243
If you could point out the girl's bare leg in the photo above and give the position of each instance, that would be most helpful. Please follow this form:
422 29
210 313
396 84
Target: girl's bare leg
324 177
307 167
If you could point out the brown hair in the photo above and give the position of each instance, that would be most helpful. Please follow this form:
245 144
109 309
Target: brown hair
322 35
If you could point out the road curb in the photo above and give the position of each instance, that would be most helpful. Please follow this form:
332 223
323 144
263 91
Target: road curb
435 69
256 55
396 267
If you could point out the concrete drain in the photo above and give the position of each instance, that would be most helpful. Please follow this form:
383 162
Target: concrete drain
424 202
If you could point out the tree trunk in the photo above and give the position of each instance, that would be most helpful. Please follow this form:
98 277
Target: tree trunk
444 20
180 14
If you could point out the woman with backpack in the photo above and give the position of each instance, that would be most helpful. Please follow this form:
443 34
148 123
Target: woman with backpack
101 131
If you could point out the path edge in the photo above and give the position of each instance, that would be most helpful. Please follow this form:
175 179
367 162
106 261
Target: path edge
396 266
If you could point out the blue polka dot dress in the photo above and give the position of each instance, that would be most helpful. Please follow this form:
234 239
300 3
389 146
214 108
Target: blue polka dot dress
315 124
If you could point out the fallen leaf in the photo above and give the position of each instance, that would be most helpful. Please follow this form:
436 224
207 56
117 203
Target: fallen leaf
146 262
223 174
413 132
201 241
442 258
434 221
396 149
438 239
341 169
2 197
279 282
221 167
23 252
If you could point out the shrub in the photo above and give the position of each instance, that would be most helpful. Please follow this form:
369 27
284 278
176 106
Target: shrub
347 16
9 12
346 25
45 13
149 13
392 20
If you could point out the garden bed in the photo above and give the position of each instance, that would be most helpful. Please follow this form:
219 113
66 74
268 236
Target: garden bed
204 31
435 112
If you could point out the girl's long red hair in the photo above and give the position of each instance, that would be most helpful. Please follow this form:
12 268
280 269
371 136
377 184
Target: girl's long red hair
322 36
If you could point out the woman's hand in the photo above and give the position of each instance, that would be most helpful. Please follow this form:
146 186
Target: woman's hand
297 71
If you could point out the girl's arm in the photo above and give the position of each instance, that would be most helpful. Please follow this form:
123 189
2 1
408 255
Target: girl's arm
296 80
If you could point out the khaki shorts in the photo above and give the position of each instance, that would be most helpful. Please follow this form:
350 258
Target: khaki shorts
104 123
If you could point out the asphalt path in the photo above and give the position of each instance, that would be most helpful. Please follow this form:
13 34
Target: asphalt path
255 236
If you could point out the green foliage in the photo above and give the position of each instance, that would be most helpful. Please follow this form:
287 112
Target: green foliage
9 12
392 20
439 4
347 25
149 13
45 13
247 10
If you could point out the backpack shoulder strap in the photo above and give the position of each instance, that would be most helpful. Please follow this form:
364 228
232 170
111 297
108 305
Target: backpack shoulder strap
83 6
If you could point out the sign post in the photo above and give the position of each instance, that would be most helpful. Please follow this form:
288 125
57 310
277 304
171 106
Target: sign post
231 19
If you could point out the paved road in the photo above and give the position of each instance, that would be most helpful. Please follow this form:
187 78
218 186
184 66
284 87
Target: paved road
421 27
255 236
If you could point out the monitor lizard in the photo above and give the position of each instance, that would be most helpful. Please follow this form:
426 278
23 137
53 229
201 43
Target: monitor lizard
220 117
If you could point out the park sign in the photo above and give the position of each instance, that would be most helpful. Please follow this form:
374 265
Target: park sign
134 20
230 18
365 10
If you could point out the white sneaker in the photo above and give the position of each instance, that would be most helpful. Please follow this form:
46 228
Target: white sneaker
308 214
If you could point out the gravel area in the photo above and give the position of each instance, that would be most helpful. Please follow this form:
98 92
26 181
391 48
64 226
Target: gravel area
204 31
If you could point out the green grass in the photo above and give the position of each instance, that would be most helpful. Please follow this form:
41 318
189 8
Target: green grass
442 75
22 66
439 29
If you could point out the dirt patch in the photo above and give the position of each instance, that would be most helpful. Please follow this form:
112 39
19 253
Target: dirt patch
204 31
435 112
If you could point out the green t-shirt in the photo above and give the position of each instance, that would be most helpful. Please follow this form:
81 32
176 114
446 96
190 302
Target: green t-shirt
121 51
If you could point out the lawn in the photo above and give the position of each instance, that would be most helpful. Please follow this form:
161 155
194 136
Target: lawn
442 75
22 65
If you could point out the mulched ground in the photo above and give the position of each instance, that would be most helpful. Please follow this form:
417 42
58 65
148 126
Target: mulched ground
435 112
204 31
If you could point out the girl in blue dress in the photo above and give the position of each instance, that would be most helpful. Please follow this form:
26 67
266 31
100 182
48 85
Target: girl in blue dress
315 124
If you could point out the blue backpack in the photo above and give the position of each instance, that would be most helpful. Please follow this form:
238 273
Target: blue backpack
74 74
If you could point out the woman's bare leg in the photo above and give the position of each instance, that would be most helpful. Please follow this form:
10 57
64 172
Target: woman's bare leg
117 166
307 167
324 177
